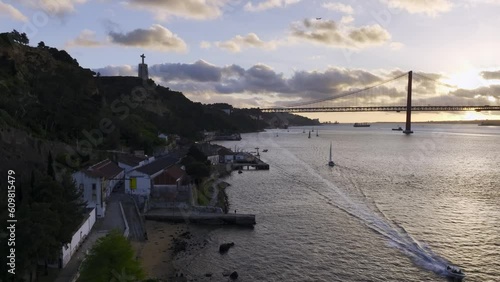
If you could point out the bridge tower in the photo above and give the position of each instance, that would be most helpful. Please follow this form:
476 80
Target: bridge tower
408 106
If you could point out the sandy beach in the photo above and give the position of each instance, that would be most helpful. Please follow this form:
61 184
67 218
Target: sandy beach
157 253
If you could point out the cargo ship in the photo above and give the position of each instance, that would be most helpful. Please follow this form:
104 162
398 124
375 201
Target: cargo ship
361 124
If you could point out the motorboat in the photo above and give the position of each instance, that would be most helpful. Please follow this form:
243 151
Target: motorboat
265 150
331 163
239 171
454 272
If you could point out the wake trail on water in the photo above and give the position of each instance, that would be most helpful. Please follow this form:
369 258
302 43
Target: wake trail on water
376 220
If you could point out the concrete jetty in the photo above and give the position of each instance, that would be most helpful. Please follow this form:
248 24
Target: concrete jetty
201 218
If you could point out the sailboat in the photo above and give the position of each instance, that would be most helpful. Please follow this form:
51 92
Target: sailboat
309 134
331 163
317 133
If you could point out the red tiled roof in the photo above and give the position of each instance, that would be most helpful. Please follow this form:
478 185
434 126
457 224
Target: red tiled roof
175 171
106 169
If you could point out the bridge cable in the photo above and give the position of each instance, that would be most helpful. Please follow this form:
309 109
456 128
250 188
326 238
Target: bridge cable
349 93
435 81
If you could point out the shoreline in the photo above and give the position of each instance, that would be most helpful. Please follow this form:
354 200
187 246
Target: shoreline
156 254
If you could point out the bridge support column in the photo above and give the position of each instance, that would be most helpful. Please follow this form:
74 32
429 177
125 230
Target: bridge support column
408 106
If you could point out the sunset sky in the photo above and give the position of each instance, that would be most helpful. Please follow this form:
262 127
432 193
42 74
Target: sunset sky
260 53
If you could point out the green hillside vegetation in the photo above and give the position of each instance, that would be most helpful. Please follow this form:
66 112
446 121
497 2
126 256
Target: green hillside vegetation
45 93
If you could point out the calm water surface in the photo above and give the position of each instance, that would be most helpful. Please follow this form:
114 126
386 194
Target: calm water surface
394 208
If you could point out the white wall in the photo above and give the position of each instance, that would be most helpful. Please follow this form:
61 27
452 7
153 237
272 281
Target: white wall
87 181
143 183
78 238
214 159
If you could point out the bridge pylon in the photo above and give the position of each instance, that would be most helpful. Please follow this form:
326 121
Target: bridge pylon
408 106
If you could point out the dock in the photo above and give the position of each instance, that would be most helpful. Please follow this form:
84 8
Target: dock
202 218
250 163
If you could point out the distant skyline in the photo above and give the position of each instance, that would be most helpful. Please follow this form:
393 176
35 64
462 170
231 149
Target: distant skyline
251 53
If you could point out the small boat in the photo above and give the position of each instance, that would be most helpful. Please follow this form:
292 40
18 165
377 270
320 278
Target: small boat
331 163
303 131
361 124
398 129
239 171
265 150
454 272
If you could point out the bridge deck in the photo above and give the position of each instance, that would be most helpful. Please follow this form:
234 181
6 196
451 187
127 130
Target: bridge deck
381 109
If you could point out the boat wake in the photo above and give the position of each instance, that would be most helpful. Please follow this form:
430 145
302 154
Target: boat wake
369 214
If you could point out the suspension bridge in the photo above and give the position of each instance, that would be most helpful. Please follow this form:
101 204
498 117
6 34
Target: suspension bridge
384 97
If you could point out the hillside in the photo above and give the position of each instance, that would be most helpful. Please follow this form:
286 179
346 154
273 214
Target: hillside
47 97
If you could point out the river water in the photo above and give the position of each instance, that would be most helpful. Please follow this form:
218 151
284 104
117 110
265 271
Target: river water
394 208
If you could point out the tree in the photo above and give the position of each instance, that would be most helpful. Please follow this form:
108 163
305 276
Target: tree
24 39
48 215
41 44
111 259
50 166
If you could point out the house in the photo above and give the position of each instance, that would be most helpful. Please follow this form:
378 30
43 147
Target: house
172 184
79 236
243 157
216 154
97 183
225 155
139 181
128 162
163 136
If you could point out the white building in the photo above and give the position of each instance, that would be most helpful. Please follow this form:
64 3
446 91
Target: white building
97 183
163 136
139 181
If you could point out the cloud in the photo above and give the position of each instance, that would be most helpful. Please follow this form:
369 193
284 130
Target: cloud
190 9
9 10
59 8
328 32
251 40
204 81
200 71
205 45
430 7
339 7
481 92
85 39
269 4
490 74
156 37
125 70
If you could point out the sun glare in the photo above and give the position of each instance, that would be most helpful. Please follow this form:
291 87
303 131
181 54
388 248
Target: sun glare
467 79
473 116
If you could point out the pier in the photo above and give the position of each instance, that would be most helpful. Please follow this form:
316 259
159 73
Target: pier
249 162
201 218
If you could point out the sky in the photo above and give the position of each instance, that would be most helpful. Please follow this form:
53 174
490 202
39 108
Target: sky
263 53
